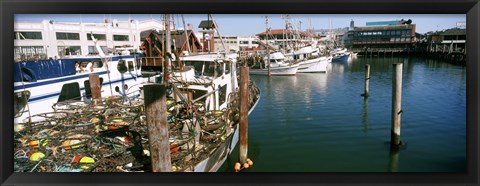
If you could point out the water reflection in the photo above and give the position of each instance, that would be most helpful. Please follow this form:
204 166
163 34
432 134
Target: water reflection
365 115
393 160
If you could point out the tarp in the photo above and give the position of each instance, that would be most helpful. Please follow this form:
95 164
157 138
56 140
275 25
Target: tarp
42 69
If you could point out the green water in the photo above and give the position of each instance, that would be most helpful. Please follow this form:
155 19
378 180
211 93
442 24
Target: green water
318 122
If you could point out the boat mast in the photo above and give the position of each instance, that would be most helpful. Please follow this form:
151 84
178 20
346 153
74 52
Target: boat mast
168 49
268 47
186 35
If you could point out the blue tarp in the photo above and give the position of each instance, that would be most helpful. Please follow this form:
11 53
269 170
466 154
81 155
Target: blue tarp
42 69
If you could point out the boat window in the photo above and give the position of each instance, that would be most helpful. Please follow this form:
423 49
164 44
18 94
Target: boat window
197 66
227 68
209 69
130 66
222 94
219 69
198 93
20 100
139 63
121 66
70 91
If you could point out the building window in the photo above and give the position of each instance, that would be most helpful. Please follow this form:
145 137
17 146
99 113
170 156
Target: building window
100 37
92 50
28 53
398 32
28 35
244 42
120 37
69 50
67 36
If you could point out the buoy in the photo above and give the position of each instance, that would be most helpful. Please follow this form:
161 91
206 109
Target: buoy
250 162
246 165
237 166
37 156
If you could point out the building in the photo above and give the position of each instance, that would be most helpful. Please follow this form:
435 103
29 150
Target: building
383 36
50 39
450 40
235 43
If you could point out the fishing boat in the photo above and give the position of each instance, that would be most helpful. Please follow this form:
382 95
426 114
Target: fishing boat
278 66
39 85
309 60
211 79
340 55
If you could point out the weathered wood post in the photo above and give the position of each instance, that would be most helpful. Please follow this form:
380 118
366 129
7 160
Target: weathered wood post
396 104
367 79
156 117
244 77
393 160
95 88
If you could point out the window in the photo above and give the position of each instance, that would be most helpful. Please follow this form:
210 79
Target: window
222 95
100 37
120 37
121 66
67 36
227 68
130 66
69 50
397 32
26 53
92 50
28 35
244 42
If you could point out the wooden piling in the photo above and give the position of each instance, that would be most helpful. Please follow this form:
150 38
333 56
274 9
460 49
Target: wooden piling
157 126
367 79
95 88
244 77
396 104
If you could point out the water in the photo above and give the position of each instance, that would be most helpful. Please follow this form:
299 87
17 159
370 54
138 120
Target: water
319 122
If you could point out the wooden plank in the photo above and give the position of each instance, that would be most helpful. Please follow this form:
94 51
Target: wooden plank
244 78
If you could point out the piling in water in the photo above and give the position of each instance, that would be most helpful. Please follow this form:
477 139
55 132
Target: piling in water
157 126
244 79
367 78
396 105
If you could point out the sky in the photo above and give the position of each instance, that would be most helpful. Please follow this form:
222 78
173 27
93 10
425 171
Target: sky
251 24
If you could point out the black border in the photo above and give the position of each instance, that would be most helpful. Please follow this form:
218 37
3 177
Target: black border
10 7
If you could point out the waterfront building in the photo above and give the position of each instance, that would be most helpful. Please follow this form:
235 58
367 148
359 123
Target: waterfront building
383 36
450 40
51 39
235 43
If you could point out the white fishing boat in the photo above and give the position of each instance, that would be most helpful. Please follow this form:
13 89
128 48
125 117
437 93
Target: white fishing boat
39 85
309 60
278 66
211 79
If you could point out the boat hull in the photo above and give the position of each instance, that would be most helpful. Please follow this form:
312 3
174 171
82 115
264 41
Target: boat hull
343 58
277 71
313 65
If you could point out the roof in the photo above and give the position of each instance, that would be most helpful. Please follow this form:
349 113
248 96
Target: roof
207 24
177 35
285 31
454 31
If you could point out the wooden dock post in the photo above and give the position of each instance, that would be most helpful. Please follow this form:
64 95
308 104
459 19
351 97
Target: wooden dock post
157 125
244 78
367 79
95 88
396 105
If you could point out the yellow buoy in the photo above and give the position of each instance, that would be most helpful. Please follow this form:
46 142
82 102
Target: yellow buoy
87 159
37 156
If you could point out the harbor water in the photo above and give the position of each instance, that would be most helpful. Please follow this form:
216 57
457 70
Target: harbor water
318 122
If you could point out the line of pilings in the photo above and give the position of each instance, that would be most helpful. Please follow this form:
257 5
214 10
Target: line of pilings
396 111
395 141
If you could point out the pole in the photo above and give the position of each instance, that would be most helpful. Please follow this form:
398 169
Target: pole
168 45
396 105
367 79
95 88
244 77
157 126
